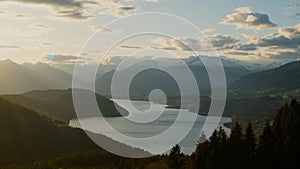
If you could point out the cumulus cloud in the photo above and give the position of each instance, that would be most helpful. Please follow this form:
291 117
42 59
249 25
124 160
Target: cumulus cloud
284 44
287 37
279 53
244 17
223 42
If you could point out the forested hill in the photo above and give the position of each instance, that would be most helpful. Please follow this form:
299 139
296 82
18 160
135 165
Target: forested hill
59 103
29 136
282 79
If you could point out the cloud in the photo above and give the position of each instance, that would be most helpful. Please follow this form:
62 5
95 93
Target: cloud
64 59
287 37
119 10
280 53
127 8
223 42
152 0
209 30
287 55
24 16
145 0
72 9
217 42
244 17
245 47
81 10
238 53
130 47
293 5
39 25
105 29
8 47
47 43
55 3
74 15
284 44
171 44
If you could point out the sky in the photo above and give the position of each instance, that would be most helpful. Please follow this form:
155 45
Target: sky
252 30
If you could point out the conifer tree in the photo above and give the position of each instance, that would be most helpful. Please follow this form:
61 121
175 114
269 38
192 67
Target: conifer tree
250 146
267 148
236 147
175 160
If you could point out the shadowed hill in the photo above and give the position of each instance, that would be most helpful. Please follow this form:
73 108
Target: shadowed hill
29 136
282 79
59 104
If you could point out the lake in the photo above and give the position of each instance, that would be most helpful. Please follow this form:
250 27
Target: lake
143 124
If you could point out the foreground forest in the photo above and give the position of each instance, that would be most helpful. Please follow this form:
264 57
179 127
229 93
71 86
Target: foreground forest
277 147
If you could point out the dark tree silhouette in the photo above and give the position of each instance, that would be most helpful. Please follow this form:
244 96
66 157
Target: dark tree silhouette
175 157
266 148
250 146
236 147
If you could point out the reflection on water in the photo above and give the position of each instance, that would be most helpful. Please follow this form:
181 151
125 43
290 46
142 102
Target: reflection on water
162 120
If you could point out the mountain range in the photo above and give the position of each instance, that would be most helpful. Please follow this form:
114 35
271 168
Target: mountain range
43 76
19 78
147 80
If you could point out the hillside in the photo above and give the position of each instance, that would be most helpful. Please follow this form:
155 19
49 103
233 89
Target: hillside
26 136
59 104
29 136
16 78
279 80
